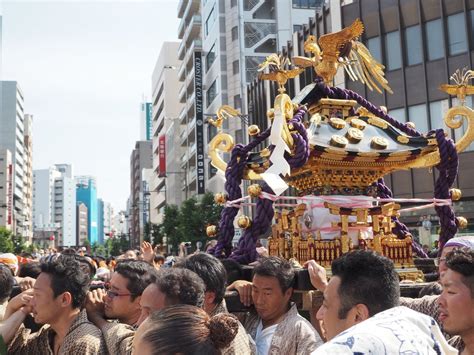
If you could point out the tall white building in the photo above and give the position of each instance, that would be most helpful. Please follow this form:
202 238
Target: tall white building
54 203
190 74
168 178
6 189
12 137
28 178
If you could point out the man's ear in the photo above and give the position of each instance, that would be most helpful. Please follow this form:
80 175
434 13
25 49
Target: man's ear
66 299
288 293
209 297
360 313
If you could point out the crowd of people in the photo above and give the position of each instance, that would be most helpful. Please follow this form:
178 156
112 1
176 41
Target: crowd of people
142 303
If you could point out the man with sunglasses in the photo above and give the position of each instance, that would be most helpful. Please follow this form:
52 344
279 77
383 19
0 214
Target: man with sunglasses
121 300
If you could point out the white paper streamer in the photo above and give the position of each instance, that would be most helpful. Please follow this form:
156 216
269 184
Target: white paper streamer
280 165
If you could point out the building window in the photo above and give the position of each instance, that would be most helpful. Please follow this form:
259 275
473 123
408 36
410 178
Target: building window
434 39
307 4
233 3
392 50
210 57
210 21
413 45
237 103
373 44
235 67
472 27
297 28
398 114
211 93
235 33
437 111
418 115
457 39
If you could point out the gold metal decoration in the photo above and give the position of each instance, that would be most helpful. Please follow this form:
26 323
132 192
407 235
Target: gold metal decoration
277 72
462 222
254 190
223 112
211 231
358 123
379 143
244 222
354 135
253 130
338 141
461 89
342 49
337 123
455 194
220 198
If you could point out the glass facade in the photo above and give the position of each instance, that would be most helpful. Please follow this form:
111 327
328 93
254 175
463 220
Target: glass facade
457 37
374 46
393 50
434 42
419 116
413 45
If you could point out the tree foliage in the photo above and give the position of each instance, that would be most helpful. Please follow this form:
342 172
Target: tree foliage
6 242
188 223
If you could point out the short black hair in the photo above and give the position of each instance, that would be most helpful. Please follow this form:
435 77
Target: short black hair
366 278
180 286
139 275
159 259
6 282
31 269
234 270
67 276
462 261
210 270
277 267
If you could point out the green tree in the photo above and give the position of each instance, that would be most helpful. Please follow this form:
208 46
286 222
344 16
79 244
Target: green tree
169 226
6 242
147 232
19 245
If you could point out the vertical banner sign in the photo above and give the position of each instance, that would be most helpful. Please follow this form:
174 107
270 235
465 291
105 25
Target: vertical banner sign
148 113
198 102
162 156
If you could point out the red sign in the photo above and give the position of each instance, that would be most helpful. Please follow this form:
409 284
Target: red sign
162 156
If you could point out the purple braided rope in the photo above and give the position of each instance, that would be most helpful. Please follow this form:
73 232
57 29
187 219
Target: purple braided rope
246 249
399 229
302 150
234 174
448 168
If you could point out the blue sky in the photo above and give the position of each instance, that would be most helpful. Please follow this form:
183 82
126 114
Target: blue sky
83 67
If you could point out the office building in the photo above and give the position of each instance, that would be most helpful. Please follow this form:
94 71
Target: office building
6 189
54 206
86 192
28 178
12 137
141 158
81 223
167 183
